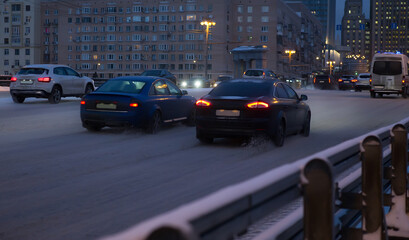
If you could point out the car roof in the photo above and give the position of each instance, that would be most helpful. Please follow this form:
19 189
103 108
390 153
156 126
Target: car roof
255 80
45 66
147 79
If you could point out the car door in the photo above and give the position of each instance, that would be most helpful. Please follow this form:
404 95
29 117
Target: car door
180 104
161 97
77 82
288 106
61 77
300 110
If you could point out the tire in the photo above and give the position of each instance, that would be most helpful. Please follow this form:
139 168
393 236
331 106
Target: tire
154 123
279 135
373 94
55 96
93 128
88 89
18 99
203 138
190 121
405 92
307 125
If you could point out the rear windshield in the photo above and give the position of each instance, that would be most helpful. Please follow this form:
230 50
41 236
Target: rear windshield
322 77
38 71
254 73
242 89
365 76
151 73
122 86
387 68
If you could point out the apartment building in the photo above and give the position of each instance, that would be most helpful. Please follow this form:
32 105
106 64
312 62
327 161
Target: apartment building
114 38
20 34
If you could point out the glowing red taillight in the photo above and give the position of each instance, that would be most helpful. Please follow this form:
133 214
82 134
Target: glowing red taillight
133 105
257 105
44 79
82 102
202 103
13 79
315 79
340 80
354 80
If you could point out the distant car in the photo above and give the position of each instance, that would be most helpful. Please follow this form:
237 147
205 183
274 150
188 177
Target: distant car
221 78
49 81
244 107
195 82
259 73
324 81
136 101
347 82
160 73
363 82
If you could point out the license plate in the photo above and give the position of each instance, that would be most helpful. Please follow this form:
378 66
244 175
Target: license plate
26 81
346 81
378 87
106 105
227 113
321 81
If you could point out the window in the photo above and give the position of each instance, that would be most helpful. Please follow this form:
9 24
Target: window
6 51
173 89
240 8
27 52
249 19
280 91
291 93
15 7
28 8
264 9
264 19
16 52
160 88
249 9
264 38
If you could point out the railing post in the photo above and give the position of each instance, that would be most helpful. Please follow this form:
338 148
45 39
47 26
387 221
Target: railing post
372 191
397 220
318 187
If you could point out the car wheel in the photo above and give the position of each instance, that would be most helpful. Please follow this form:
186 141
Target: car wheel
203 138
190 121
405 92
373 94
279 135
154 123
307 126
88 89
55 96
93 128
18 99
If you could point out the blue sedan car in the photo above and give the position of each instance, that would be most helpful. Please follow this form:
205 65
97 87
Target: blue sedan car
136 101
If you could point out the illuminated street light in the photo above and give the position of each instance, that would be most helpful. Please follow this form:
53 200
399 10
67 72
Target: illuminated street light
208 24
330 66
289 52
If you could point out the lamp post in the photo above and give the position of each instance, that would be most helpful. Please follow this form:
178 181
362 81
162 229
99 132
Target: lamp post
208 24
289 52
330 66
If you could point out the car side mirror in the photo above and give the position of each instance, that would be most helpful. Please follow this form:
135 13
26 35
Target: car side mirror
184 92
303 97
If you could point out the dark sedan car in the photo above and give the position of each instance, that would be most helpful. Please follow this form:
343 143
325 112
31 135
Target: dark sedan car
244 107
136 102
347 82
159 73
324 81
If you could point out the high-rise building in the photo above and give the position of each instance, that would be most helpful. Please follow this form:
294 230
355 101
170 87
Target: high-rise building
20 34
390 26
356 36
324 10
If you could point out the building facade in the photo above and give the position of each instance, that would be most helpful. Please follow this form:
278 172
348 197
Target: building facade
390 26
20 39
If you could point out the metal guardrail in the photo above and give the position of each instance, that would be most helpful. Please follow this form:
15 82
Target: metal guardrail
332 208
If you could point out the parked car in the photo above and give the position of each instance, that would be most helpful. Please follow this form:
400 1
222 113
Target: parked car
347 82
324 81
49 81
259 73
244 107
160 73
195 82
136 101
363 82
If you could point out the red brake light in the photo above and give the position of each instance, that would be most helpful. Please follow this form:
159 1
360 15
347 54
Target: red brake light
82 102
340 80
329 80
202 103
257 105
44 79
354 80
133 105
13 79
315 79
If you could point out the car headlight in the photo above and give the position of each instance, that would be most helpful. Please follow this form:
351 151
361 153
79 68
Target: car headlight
184 84
198 83
215 84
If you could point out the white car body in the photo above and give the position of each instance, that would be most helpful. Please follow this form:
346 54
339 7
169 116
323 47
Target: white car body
363 82
49 81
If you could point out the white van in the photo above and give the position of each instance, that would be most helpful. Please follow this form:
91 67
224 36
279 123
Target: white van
389 73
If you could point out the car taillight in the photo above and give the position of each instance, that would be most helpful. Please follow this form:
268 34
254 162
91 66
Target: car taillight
340 80
133 104
257 105
82 102
354 80
370 80
13 79
329 80
315 79
44 79
202 103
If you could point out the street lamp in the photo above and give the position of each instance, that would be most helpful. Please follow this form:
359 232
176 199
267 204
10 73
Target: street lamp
208 24
289 52
330 66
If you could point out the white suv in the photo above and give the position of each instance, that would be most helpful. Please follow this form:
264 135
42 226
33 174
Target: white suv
49 81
